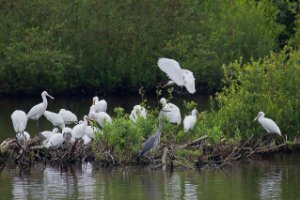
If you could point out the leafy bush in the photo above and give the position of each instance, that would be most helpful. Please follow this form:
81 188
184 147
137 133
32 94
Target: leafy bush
269 85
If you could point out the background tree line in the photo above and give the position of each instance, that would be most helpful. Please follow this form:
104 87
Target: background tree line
109 46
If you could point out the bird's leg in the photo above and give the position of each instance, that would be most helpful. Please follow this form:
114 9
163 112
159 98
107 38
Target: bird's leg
37 126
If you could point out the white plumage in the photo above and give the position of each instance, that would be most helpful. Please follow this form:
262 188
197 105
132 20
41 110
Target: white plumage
182 77
190 121
101 106
89 131
173 115
268 124
48 134
68 116
55 119
101 117
55 141
138 111
22 137
19 120
78 131
86 139
38 110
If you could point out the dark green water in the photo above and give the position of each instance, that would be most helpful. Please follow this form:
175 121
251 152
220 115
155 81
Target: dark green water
80 106
275 179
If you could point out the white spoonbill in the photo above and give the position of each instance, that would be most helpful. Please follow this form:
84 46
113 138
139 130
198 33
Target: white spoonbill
268 124
68 116
182 77
55 141
90 132
173 115
48 134
190 121
55 119
78 131
38 110
101 106
138 111
19 120
101 117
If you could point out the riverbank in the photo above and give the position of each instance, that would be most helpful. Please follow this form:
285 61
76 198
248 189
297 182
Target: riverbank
196 154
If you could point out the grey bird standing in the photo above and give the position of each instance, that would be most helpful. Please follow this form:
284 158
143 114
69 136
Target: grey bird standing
152 143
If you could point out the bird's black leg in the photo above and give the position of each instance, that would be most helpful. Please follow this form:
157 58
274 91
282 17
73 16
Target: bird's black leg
37 126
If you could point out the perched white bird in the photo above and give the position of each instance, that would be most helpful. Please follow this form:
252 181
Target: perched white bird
38 110
48 134
22 137
190 121
67 134
138 111
173 115
55 141
101 117
78 131
19 120
93 109
182 77
101 106
55 119
86 139
268 124
68 116
89 131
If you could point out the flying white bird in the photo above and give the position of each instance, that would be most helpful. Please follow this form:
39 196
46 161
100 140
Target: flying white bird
101 117
173 115
55 119
78 131
268 124
101 106
138 111
182 77
48 134
190 121
38 110
19 120
68 116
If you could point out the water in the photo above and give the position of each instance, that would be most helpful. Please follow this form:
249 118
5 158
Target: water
79 105
276 179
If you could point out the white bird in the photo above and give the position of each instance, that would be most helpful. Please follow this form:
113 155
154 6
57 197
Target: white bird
182 77
138 111
55 119
78 131
89 131
67 134
22 137
190 121
268 124
68 116
92 110
48 134
38 110
101 106
55 141
173 115
101 117
86 139
19 120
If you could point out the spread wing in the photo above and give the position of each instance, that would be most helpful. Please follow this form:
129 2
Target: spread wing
189 80
172 69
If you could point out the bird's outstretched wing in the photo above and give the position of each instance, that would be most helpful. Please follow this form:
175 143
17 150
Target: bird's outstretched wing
189 80
172 69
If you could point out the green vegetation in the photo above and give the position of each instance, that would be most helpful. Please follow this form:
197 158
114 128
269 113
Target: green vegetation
108 46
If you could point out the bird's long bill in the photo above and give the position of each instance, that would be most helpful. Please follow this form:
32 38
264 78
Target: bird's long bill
50 96
93 102
164 110
167 84
255 118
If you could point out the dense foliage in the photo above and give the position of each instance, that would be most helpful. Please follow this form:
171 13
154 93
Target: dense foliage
269 85
103 46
